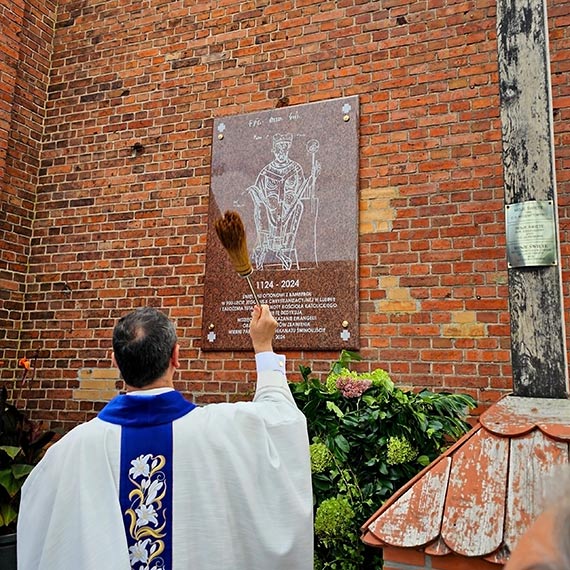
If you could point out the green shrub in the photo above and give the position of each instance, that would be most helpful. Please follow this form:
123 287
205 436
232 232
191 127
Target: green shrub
22 444
369 437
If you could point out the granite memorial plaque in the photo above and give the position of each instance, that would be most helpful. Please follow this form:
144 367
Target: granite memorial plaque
292 176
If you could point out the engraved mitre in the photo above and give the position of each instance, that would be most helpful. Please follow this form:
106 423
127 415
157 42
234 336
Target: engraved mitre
279 138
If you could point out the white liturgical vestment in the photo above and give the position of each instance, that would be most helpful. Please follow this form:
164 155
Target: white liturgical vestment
156 483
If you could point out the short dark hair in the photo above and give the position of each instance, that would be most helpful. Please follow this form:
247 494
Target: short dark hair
143 342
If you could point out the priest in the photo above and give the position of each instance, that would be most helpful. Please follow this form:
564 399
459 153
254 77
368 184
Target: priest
155 482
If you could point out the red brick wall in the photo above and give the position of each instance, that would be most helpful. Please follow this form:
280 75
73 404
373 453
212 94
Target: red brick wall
114 231
26 37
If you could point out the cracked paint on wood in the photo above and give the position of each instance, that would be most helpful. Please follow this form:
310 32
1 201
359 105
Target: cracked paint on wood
414 519
515 416
474 507
492 481
534 459
538 341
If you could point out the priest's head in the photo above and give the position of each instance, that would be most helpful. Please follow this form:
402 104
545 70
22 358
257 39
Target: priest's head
145 349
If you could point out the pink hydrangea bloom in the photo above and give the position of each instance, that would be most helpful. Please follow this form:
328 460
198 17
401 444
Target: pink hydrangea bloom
352 388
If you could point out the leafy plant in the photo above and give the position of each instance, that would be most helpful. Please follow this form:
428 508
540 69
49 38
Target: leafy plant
22 443
369 437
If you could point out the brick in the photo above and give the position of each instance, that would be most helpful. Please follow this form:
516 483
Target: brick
94 395
397 306
464 330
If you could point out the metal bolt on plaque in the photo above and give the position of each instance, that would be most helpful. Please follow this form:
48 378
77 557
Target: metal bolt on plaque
345 334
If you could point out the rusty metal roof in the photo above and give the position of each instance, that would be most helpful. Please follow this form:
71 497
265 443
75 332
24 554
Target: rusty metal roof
482 494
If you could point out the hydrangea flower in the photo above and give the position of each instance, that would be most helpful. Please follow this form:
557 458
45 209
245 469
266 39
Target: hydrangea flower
381 379
334 376
351 388
400 450
333 517
321 457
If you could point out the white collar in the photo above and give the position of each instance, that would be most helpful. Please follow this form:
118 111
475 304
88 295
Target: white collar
151 392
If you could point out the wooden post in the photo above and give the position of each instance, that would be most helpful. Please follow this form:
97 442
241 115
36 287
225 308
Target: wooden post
538 338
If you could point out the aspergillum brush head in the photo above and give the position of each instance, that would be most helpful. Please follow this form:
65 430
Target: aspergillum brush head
231 231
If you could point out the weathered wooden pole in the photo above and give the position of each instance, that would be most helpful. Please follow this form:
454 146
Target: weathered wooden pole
538 338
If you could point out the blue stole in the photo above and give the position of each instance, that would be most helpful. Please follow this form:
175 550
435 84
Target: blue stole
145 486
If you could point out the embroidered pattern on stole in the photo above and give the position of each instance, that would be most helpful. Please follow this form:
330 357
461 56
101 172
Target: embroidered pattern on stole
146 495
148 519
146 471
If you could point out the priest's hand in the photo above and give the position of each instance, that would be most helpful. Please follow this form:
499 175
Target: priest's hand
262 328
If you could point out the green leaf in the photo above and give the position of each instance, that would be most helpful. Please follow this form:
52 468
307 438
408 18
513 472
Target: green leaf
21 470
369 400
305 372
342 443
7 515
334 408
346 356
435 425
11 450
422 420
9 482
350 421
423 460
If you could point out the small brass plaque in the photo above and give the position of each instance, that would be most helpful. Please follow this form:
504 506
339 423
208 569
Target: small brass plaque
531 237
